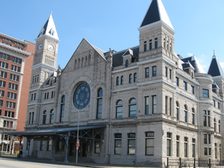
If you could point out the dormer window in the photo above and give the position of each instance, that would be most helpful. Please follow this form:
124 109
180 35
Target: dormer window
127 57
126 63
51 32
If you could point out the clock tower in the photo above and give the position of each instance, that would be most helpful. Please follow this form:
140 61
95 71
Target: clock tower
45 60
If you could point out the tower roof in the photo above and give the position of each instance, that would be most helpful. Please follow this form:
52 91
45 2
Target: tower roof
156 12
215 68
49 29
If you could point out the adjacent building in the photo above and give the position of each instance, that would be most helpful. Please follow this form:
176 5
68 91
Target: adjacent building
141 105
16 58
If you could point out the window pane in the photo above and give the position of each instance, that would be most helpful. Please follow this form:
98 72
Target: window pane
205 93
131 146
146 105
132 108
147 72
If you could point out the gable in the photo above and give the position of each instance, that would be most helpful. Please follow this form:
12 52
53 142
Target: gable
83 56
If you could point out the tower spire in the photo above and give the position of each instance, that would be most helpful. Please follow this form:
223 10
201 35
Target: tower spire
156 12
215 68
49 28
213 54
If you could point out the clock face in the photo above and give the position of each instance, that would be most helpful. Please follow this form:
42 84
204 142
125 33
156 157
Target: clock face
50 47
81 96
40 47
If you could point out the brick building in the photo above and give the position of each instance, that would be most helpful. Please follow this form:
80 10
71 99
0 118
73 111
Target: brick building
16 58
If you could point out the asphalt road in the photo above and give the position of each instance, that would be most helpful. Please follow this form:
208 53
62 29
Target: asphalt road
12 163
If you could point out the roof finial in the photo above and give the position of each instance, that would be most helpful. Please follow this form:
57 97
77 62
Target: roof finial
213 54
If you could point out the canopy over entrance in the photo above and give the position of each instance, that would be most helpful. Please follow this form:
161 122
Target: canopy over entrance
52 131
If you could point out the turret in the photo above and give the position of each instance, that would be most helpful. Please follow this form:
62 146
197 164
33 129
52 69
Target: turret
156 31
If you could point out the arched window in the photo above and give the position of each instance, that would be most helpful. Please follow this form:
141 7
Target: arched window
193 116
44 117
79 63
82 63
62 108
89 59
121 82
119 109
99 108
150 44
75 63
132 108
135 77
156 43
185 113
215 125
177 111
130 78
145 46
51 116
86 61
117 80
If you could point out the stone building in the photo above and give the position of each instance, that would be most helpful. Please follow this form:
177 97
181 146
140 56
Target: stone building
16 58
141 105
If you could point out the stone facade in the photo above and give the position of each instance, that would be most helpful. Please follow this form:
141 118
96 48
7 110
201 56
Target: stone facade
151 103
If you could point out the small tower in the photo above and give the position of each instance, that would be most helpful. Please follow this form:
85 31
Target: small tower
45 60
156 31
215 70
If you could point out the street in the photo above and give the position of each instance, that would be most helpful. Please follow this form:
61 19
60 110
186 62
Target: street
12 163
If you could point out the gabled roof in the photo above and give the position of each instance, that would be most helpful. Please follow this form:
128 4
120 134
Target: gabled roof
49 29
215 68
82 46
98 50
187 65
128 52
193 62
156 12
118 56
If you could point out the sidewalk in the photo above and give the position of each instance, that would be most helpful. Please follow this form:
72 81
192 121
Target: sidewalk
92 165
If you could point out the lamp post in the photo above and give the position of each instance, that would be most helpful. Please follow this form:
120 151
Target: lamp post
77 140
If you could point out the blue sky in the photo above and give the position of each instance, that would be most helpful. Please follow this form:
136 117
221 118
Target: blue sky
199 25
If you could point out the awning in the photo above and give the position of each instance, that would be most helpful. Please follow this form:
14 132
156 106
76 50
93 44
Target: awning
52 131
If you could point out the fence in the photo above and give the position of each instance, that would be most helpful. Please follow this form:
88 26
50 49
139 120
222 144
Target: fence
193 163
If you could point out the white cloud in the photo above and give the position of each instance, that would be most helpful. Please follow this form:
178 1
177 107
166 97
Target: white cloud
201 66
222 64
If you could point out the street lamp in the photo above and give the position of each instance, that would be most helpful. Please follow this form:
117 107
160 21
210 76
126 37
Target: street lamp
77 140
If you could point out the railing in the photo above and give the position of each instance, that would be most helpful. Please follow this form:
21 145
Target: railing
193 163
